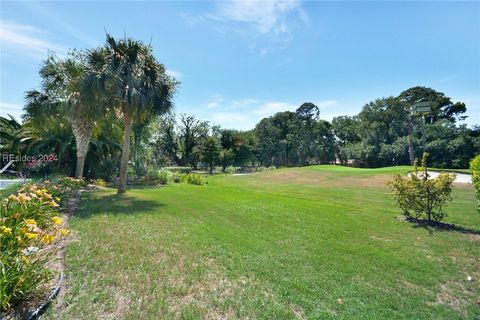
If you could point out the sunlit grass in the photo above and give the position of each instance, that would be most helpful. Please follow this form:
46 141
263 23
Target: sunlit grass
315 242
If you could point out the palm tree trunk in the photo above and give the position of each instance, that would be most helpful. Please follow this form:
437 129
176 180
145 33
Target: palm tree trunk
82 130
79 167
122 181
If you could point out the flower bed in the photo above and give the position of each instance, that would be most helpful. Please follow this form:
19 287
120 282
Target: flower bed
31 227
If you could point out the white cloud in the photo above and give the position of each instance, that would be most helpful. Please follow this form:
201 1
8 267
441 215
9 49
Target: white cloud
245 113
215 102
267 25
325 104
242 104
233 120
270 108
58 22
176 74
267 17
25 39
11 109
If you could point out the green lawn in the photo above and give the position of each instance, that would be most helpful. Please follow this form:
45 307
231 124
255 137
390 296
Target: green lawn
283 244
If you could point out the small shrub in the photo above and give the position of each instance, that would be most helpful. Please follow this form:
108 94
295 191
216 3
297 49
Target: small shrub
475 167
99 182
420 197
29 228
176 177
152 178
271 168
230 170
163 177
193 178
260 169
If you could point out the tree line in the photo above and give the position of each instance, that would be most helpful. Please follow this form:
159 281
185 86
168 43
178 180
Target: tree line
108 111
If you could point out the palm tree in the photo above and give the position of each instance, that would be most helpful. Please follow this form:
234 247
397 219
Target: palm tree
127 74
14 138
63 95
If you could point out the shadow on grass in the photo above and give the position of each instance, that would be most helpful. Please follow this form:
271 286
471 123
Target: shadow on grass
440 226
115 204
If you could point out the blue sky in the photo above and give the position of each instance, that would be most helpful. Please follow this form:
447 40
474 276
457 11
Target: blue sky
241 61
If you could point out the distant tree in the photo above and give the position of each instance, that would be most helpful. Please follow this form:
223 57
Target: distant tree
345 129
308 112
192 134
443 106
166 141
210 152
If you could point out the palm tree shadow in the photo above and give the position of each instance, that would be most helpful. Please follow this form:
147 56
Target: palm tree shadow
115 204
432 226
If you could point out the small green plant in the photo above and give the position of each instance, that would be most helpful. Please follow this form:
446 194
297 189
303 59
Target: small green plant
99 182
230 170
153 178
176 177
420 197
163 177
475 167
193 178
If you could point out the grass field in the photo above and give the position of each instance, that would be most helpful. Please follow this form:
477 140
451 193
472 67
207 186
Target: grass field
303 243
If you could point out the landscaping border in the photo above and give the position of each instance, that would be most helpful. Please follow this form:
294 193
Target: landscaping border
53 294
70 209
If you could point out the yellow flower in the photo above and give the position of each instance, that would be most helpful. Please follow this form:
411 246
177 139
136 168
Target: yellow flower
39 193
31 235
64 232
31 222
22 197
47 196
48 238
6 230
13 197
25 259
57 199
53 204
57 220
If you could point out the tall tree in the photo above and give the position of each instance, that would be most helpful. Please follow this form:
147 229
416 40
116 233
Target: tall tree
443 107
62 95
128 74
